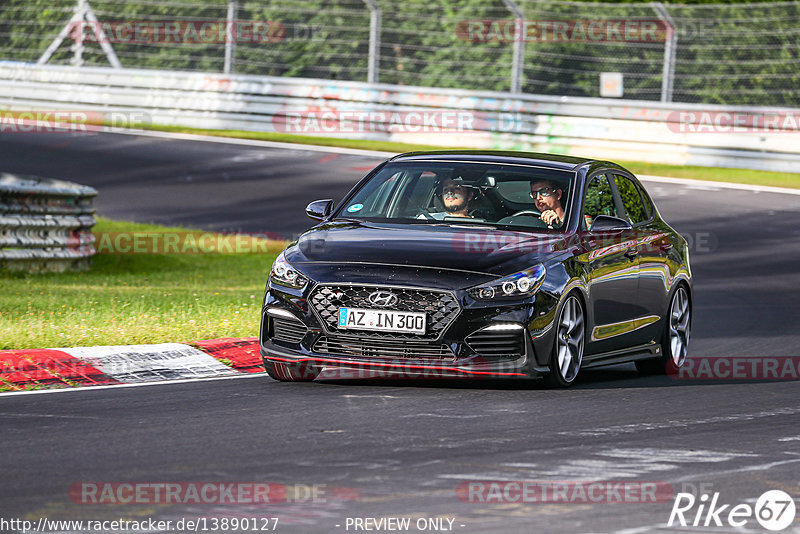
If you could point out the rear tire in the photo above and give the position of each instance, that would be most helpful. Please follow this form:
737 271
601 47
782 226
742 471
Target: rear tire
675 339
284 372
565 362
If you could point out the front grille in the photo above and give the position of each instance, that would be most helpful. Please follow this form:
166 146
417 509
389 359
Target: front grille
288 330
496 343
440 307
374 348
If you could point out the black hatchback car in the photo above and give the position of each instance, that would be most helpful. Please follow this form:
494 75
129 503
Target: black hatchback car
481 264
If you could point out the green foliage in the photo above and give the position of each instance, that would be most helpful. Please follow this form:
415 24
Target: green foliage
599 199
727 53
631 199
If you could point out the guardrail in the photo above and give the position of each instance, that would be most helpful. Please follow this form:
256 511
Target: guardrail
682 134
45 224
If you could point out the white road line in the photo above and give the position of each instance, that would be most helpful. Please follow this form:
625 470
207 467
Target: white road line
642 427
715 474
718 185
380 154
142 384
252 142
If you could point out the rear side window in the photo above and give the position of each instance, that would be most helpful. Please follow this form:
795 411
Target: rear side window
632 200
599 200
648 204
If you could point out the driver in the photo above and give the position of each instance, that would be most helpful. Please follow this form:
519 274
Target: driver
456 197
547 196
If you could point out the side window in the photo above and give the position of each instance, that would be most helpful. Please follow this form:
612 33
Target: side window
631 199
421 193
418 195
648 203
599 200
380 200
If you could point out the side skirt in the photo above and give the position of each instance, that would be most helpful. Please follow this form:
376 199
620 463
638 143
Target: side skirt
630 354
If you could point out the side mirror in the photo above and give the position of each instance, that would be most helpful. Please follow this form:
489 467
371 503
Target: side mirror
607 223
319 209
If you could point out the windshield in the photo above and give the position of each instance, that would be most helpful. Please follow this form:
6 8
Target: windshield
434 192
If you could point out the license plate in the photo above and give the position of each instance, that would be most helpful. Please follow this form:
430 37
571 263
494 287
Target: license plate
382 320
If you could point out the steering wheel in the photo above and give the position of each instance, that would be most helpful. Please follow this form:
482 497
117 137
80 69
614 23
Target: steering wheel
532 213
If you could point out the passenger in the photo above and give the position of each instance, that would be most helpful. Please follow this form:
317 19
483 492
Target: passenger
547 196
456 197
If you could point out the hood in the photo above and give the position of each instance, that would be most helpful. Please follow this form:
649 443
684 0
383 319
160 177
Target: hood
465 248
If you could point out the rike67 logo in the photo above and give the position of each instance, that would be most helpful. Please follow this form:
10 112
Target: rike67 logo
774 510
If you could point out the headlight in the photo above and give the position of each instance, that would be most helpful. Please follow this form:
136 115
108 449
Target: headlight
522 284
284 274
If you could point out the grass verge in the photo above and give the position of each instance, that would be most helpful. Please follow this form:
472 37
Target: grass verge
719 174
136 298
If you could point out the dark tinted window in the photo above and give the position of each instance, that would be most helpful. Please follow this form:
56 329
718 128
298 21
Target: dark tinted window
599 200
631 199
429 192
648 204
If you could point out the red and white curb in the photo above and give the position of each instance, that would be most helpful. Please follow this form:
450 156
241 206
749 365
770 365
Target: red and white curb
127 364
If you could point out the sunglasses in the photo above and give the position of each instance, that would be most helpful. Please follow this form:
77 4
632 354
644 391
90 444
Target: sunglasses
453 189
545 192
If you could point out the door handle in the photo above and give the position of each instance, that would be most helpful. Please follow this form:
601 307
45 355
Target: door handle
631 253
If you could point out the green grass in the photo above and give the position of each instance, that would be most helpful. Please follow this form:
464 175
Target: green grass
719 174
364 144
716 174
135 298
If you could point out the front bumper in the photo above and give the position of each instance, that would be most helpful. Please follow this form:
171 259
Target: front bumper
293 332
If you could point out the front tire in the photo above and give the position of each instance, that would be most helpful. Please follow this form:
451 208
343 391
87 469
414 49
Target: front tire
675 339
565 362
284 372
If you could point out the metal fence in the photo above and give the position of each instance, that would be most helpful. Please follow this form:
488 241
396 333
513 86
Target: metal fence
84 98
734 54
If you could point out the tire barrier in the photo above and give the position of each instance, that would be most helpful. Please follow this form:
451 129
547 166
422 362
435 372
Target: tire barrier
45 224
605 128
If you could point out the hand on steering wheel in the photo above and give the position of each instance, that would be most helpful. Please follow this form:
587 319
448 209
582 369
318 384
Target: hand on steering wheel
551 218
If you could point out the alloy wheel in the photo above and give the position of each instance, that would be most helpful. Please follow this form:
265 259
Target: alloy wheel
569 340
679 327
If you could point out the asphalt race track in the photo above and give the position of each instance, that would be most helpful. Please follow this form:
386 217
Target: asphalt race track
406 448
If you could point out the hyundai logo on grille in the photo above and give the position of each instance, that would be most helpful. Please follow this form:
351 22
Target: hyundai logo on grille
382 298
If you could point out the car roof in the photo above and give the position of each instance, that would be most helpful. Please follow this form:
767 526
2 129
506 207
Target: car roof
554 161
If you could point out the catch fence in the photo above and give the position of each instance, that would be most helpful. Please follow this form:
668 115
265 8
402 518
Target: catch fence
731 54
